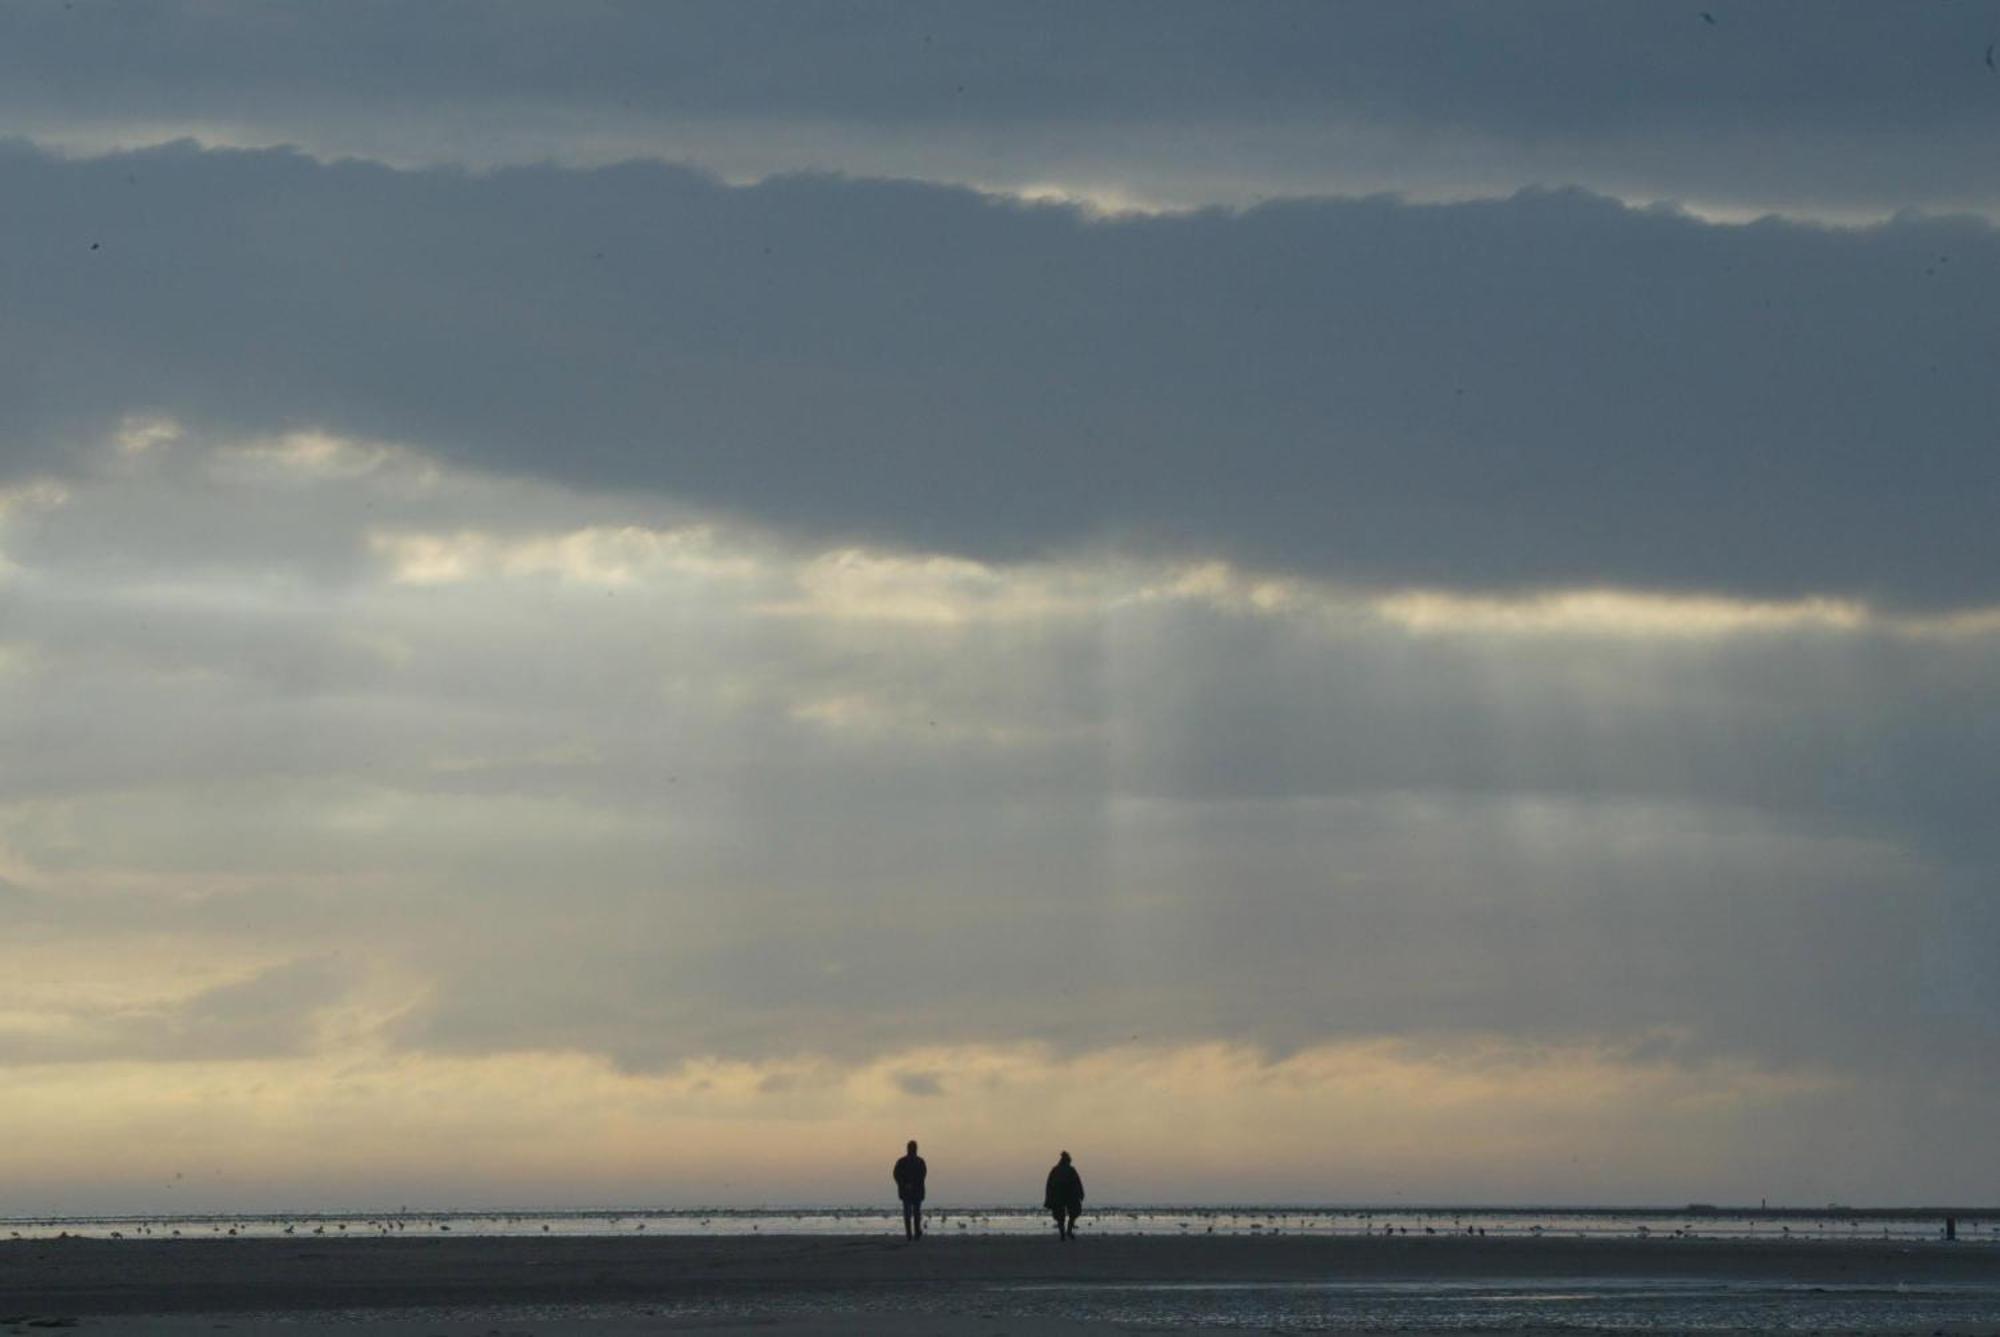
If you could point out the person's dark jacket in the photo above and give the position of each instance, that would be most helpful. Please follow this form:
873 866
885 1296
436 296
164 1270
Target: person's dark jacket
909 1174
1065 1188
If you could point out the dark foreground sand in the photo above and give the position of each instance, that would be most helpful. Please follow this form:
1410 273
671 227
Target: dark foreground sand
784 1285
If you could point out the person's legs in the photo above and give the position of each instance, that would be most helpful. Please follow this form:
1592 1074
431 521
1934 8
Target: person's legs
912 1219
1069 1228
1060 1232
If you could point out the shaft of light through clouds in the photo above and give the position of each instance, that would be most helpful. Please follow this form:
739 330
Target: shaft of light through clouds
489 787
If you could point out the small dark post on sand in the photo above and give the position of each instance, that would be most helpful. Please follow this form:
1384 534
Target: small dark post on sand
1951 1227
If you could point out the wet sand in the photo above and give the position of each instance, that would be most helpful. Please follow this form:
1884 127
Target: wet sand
620 1325
785 1285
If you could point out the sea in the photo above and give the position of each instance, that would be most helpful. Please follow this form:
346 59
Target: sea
1696 1221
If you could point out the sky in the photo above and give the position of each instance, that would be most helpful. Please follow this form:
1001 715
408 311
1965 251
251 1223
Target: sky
615 604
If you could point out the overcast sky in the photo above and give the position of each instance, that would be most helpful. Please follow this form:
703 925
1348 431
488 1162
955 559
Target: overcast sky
1315 602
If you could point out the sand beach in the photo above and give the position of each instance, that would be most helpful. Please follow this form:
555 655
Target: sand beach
840 1285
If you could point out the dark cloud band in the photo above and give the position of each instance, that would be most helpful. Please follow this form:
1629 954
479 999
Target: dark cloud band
1548 390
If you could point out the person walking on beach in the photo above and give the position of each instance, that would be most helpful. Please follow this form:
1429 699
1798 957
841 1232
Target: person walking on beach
909 1176
1064 1197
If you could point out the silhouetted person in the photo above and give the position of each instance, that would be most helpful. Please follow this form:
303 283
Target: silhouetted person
909 1176
1064 1197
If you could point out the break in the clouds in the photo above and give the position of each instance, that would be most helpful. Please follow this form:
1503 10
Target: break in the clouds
1548 390
1835 109
549 655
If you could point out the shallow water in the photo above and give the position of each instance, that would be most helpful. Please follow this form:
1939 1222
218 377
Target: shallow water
1591 1304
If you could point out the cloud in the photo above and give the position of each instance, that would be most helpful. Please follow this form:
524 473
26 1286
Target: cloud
1834 107
1549 390
1478 1116
270 1014
919 1083
637 783
599 678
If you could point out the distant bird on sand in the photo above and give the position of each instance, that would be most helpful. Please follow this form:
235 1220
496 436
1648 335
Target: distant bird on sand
1708 18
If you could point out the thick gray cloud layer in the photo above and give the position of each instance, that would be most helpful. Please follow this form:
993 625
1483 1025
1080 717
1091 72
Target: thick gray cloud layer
1563 65
1830 106
1550 389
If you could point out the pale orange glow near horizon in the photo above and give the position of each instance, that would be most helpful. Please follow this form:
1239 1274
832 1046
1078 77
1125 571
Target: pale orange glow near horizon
1369 1120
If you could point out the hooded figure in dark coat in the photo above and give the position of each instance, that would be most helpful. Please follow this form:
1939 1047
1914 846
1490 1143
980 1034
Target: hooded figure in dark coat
909 1174
1064 1196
